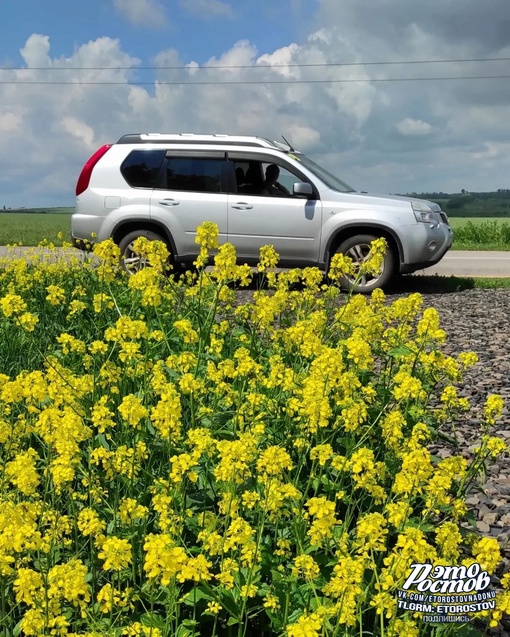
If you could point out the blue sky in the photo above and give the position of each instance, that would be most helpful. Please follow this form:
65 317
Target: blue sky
196 34
379 127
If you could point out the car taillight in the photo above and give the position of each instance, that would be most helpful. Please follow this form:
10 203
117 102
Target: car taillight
84 178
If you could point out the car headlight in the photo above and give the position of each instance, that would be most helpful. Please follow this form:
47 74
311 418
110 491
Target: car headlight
423 212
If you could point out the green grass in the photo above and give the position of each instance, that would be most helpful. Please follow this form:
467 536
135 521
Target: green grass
482 233
31 226
486 283
30 229
461 222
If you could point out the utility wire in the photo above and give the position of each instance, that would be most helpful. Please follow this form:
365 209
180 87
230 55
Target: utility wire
258 82
246 66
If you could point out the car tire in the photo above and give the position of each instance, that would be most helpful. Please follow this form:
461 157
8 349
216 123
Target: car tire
357 248
131 261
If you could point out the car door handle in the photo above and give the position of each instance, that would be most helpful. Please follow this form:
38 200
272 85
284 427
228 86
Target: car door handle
241 205
168 202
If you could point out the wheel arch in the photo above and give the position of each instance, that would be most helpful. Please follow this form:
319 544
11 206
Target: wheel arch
351 230
131 225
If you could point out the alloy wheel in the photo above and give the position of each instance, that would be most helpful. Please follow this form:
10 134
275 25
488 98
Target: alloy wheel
359 254
132 261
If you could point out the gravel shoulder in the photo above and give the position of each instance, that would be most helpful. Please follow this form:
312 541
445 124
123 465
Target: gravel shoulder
479 320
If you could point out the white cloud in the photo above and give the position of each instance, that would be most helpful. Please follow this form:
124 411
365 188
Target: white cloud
457 136
207 8
80 117
54 129
79 130
413 127
192 68
9 122
142 13
492 150
302 137
36 50
243 53
280 59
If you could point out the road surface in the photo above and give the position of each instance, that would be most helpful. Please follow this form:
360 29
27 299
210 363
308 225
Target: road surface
472 264
455 262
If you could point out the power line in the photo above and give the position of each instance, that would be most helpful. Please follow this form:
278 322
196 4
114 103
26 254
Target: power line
258 82
247 66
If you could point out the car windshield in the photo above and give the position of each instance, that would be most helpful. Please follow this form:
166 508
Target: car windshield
330 180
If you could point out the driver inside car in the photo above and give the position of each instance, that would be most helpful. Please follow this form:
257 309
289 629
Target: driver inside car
271 186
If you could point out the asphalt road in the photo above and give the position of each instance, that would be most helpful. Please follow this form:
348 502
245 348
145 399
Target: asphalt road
473 264
455 262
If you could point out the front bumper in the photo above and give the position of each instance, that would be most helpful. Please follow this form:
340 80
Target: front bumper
433 244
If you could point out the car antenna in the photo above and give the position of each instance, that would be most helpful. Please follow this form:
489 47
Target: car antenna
291 149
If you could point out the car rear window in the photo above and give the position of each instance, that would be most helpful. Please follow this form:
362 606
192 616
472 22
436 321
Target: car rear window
141 167
196 174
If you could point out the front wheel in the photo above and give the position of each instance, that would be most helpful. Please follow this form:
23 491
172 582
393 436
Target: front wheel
131 260
357 248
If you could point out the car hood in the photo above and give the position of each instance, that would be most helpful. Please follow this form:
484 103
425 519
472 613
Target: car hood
370 196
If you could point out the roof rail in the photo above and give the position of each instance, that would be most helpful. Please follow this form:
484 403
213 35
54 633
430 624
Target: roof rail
191 138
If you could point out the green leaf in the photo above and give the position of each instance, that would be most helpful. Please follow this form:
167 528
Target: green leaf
151 620
229 604
278 576
328 484
293 617
101 439
417 523
470 517
442 436
232 621
400 350
195 595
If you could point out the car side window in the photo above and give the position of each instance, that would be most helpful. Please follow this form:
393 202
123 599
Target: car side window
249 177
285 179
194 174
141 167
254 178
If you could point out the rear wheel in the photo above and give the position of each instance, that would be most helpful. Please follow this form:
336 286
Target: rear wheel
131 260
357 248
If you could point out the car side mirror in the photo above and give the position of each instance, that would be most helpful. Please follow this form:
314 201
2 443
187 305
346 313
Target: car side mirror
302 189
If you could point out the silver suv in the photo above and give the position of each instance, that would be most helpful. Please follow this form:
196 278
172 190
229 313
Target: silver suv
258 192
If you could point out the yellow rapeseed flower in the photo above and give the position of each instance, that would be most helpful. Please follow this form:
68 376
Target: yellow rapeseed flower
116 553
12 304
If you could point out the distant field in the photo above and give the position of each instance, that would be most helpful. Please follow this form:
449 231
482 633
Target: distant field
477 207
30 228
481 233
459 222
39 211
